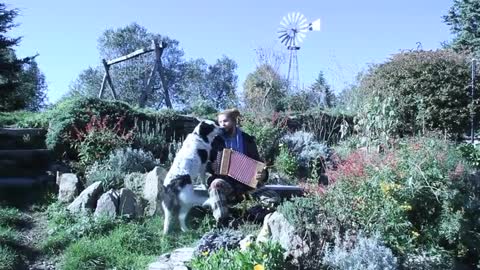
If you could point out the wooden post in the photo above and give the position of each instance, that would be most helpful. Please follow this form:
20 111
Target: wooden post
109 80
102 87
162 77
148 88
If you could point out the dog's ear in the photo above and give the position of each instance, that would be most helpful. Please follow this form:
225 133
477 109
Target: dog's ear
204 130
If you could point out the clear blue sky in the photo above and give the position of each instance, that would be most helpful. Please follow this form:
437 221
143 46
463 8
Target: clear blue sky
354 33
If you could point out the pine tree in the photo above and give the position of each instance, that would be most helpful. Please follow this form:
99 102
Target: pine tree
464 19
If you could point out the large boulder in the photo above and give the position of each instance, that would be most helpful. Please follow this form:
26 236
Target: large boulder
107 204
87 200
152 191
67 187
276 228
128 205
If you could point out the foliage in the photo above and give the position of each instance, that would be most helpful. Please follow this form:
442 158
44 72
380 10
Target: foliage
12 87
128 246
113 169
264 89
471 153
417 196
376 123
151 136
256 256
218 239
24 119
185 80
364 253
8 258
267 134
77 112
286 162
462 19
426 90
322 92
309 152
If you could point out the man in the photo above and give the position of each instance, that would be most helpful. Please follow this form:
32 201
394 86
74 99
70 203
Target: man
224 190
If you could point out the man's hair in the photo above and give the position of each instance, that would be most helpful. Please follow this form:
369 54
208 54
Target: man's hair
233 114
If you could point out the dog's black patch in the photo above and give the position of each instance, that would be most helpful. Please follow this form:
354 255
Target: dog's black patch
203 154
170 196
204 130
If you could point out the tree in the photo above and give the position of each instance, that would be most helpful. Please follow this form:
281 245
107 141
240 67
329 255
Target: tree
265 89
11 98
33 86
187 81
321 92
463 19
222 83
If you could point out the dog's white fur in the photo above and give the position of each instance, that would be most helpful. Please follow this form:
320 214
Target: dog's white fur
188 162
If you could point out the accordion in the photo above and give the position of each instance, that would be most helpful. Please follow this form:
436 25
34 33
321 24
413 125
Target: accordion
238 166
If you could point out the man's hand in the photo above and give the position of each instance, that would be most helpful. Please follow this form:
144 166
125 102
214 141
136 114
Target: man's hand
261 175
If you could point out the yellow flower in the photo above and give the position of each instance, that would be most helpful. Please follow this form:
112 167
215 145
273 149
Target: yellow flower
205 253
258 267
265 256
415 234
406 207
247 244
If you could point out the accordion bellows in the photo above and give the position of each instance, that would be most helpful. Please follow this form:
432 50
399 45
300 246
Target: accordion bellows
238 166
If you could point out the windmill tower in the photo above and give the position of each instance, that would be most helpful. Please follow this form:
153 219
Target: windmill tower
291 33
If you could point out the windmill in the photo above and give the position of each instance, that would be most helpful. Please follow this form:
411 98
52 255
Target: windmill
291 33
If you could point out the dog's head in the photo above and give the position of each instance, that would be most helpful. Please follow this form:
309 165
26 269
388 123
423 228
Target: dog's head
207 130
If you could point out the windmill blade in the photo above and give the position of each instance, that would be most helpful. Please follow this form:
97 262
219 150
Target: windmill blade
297 17
301 35
289 18
285 40
298 39
315 25
282 36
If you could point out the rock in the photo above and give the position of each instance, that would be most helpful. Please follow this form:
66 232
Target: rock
152 191
276 228
173 261
128 205
87 200
67 187
107 205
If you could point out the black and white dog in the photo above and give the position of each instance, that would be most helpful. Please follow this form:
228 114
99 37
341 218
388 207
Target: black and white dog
188 165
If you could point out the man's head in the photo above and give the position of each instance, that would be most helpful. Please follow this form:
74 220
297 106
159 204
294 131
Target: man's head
228 120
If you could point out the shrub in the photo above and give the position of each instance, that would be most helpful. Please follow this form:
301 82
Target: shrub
218 239
8 258
416 196
257 256
112 171
471 153
267 134
363 253
78 111
151 137
98 139
430 90
312 156
23 119
286 162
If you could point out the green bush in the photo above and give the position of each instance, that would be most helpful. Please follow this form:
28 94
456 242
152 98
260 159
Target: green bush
286 162
8 258
150 136
121 162
256 256
267 134
23 119
471 153
430 90
77 112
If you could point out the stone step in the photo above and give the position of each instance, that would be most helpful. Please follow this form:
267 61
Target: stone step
22 138
24 162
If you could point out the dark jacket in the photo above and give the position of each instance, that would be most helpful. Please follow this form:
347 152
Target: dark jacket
251 151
